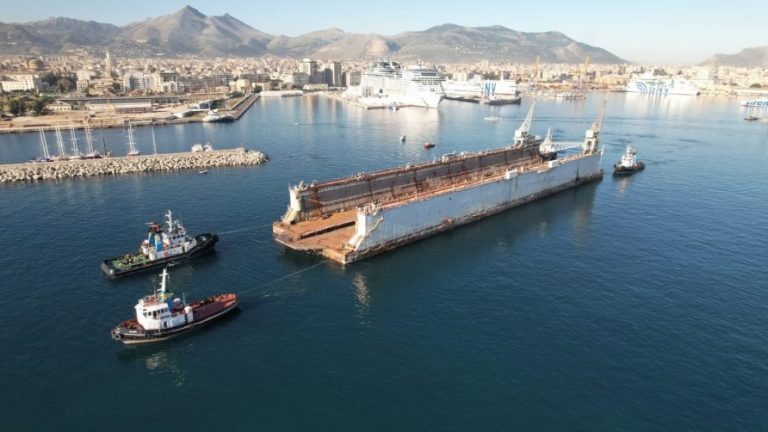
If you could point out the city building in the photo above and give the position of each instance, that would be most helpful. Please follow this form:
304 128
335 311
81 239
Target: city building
352 78
296 79
25 82
309 67
337 79
59 106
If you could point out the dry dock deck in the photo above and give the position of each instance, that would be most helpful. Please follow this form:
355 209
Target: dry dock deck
329 209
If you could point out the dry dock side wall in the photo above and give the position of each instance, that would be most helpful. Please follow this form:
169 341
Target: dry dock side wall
393 225
389 185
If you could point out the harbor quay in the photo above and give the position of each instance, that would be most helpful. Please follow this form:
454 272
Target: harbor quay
82 119
39 171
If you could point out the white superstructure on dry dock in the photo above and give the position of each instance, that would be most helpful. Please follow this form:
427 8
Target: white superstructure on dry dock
350 219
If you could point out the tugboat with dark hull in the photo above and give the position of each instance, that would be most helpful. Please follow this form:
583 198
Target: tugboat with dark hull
163 246
160 316
628 163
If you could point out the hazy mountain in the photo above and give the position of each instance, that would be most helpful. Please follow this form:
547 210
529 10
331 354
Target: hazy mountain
749 57
189 31
17 39
63 31
333 44
451 42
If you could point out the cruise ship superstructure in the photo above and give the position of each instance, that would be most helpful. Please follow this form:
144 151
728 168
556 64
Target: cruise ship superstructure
349 219
388 83
656 85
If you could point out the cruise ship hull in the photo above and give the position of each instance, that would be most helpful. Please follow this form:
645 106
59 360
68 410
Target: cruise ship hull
425 100
662 87
374 229
755 103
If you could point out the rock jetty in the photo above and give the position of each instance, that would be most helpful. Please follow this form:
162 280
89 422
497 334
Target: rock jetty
30 172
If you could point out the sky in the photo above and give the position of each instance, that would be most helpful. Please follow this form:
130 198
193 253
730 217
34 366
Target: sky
644 31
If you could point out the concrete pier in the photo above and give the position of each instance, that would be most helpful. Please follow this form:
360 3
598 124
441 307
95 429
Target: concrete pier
28 172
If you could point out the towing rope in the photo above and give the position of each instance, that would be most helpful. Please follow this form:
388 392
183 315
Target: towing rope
281 278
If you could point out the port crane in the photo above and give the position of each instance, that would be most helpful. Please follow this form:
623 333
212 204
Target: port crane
592 136
521 134
589 145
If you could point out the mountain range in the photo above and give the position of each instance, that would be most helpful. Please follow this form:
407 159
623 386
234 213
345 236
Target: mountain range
748 57
190 32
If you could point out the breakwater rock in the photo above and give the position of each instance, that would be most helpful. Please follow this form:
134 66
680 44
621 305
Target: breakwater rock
39 171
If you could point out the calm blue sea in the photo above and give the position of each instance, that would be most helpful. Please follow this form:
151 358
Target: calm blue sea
632 304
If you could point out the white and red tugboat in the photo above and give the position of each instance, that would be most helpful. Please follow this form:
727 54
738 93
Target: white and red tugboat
628 163
162 246
160 316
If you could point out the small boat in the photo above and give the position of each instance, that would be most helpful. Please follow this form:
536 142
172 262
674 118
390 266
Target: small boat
203 172
751 118
200 148
160 316
215 117
428 145
628 163
492 118
161 247
46 155
132 151
402 138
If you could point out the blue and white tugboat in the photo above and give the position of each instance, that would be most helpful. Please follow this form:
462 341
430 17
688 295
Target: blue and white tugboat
162 246
628 163
160 316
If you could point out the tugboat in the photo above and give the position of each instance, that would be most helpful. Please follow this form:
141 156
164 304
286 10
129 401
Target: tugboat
628 164
160 316
162 246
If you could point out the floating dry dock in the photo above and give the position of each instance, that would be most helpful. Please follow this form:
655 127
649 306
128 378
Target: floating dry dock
353 218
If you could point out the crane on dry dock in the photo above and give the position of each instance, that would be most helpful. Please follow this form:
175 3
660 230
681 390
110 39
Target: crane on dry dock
549 147
592 136
521 134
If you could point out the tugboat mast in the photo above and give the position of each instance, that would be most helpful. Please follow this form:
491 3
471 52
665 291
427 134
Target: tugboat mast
164 277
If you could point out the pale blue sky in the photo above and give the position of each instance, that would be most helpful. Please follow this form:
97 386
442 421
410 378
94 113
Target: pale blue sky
671 31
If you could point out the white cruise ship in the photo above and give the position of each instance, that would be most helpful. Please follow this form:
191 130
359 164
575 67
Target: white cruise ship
386 82
655 85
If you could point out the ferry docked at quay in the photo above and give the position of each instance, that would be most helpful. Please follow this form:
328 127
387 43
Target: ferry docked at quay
353 218
162 246
387 84
755 103
663 86
476 89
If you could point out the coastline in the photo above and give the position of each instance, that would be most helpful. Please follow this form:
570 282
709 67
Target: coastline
81 118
